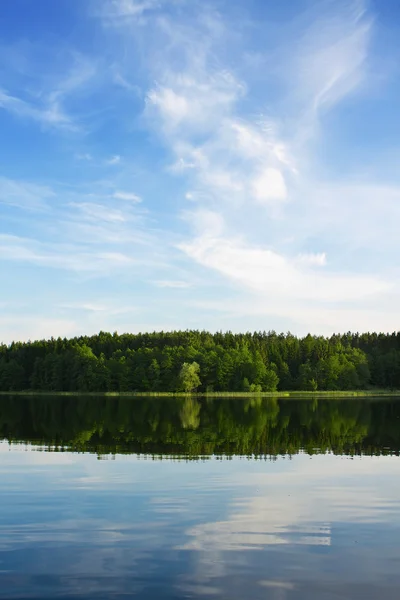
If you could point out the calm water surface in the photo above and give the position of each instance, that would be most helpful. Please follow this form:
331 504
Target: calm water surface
231 499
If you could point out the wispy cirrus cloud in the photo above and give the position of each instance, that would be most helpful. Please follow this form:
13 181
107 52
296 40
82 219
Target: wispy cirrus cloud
247 154
45 101
50 113
174 284
119 11
25 195
246 170
95 233
113 160
61 255
332 54
99 212
130 196
231 158
194 101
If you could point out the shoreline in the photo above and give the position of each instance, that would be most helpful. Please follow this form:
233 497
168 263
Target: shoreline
282 394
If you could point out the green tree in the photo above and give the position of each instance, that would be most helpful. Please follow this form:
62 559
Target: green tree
307 380
228 362
189 376
154 375
270 380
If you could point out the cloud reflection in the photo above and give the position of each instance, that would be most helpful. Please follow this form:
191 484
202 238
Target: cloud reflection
284 530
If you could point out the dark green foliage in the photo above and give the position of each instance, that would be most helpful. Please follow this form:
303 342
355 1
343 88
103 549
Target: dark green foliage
251 362
191 426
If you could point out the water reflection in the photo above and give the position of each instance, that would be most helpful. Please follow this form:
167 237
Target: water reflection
305 525
200 427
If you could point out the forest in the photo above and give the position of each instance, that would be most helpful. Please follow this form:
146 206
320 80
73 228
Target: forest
196 427
198 361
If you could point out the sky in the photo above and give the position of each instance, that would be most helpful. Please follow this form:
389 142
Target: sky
213 164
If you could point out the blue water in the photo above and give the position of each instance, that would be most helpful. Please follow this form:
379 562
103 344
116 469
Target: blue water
84 525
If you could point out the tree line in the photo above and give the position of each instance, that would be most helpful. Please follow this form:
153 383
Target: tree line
198 426
202 361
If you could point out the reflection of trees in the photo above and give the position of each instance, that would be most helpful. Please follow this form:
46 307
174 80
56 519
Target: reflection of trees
189 413
191 426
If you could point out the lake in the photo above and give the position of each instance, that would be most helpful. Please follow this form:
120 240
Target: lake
255 498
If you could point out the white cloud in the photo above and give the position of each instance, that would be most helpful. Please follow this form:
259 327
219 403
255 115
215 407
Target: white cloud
246 143
194 101
52 114
117 10
222 180
312 259
269 185
99 212
261 140
240 167
276 276
331 62
206 222
127 196
173 107
236 158
46 105
113 160
276 516
24 195
164 283
80 259
109 308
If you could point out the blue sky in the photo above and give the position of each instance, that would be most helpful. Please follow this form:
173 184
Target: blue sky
180 164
